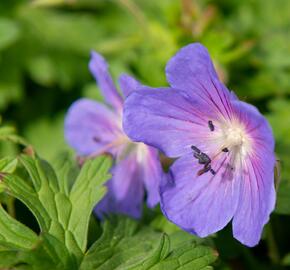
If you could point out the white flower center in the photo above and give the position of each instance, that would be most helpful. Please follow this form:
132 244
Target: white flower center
142 150
229 142
236 137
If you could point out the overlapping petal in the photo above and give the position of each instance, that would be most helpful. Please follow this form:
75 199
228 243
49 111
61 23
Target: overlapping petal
89 126
92 128
167 119
99 68
152 174
125 189
192 70
256 200
200 204
257 196
128 84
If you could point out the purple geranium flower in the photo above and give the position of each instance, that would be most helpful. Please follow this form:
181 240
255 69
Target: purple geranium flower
225 169
92 128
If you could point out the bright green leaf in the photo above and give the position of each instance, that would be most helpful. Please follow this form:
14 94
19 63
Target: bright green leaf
121 244
124 246
8 165
86 192
64 216
13 234
8 133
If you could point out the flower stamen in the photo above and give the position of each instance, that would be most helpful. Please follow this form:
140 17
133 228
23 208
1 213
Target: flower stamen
210 125
202 159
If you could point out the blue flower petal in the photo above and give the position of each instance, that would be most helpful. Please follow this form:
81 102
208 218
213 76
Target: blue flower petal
99 68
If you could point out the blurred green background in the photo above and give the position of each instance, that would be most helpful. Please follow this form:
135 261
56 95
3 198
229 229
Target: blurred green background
44 52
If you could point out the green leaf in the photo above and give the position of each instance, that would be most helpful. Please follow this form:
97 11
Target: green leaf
188 256
8 258
62 214
50 253
66 170
9 33
163 224
8 133
121 244
160 253
13 234
8 165
87 191
124 246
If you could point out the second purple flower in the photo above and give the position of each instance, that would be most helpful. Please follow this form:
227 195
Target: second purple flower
92 128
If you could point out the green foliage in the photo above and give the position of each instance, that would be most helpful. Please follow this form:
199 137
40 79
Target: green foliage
283 198
124 246
8 133
62 208
44 53
9 32
47 143
281 129
57 208
62 212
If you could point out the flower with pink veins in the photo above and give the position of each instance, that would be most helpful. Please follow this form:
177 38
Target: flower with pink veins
92 128
224 148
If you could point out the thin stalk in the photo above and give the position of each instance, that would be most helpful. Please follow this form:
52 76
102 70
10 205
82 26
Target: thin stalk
135 11
11 206
272 246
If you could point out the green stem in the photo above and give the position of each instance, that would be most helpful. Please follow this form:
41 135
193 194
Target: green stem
11 207
135 11
272 246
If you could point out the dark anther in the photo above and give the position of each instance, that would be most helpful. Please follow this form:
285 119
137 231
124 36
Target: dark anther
225 150
210 125
203 158
205 169
96 139
195 149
